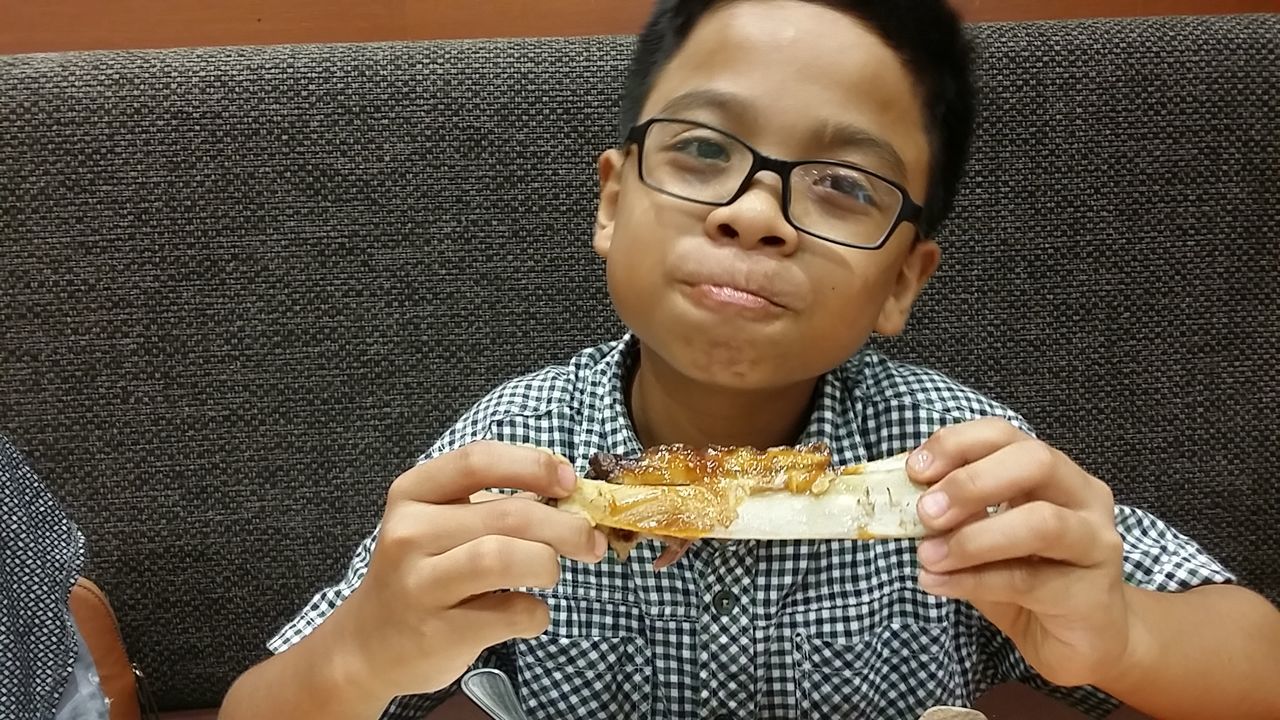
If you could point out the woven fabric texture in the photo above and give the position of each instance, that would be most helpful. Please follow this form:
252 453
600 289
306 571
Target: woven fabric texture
41 553
244 287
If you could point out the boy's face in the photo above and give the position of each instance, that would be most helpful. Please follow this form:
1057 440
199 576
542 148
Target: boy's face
734 296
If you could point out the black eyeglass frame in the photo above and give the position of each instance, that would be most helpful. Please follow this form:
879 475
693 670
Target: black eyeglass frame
909 212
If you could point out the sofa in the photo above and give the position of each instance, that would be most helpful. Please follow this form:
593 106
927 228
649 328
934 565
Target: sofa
241 289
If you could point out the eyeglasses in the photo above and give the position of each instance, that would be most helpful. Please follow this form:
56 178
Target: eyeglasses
833 201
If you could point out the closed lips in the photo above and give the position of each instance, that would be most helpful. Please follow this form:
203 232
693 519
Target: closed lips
768 283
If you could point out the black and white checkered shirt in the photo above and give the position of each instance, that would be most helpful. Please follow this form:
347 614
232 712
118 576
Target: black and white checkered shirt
806 629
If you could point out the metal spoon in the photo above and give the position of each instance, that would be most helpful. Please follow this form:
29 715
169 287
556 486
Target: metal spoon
490 689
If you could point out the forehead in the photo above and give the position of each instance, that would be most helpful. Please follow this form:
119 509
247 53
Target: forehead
798 70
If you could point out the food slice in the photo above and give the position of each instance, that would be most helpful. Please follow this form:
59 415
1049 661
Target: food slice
679 494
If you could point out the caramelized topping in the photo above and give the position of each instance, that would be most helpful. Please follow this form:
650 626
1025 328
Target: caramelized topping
783 468
683 511
697 490
678 494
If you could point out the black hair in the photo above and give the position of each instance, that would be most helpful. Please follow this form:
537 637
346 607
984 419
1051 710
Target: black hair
926 35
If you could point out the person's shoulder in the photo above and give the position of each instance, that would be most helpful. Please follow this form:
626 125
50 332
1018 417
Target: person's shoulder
539 404
880 379
549 388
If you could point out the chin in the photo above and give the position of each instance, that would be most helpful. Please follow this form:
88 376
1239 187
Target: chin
730 352
735 364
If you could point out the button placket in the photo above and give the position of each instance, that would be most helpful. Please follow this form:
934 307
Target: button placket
727 650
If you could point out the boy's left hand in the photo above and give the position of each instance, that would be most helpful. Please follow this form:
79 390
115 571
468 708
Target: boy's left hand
1047 570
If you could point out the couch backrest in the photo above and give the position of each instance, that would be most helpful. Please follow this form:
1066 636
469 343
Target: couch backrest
244 288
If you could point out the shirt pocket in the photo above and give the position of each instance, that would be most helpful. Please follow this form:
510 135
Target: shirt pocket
585 677
897 671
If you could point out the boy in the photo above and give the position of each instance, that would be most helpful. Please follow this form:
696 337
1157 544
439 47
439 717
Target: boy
750 285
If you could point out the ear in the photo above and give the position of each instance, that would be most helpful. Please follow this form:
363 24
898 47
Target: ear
919 265
609 168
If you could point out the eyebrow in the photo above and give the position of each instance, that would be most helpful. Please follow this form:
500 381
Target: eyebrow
707 99
838 134
831 133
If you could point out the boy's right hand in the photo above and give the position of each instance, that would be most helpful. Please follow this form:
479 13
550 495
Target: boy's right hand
430 602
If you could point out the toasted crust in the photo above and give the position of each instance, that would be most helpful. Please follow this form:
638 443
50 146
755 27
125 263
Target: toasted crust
778 496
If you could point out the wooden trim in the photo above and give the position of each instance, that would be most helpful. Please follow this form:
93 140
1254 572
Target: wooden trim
1001 10
55 25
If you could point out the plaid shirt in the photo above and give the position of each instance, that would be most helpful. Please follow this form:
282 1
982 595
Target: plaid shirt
808 629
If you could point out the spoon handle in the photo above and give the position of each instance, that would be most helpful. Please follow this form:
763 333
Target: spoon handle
491 690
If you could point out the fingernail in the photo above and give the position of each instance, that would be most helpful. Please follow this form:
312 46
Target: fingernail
568 477
602 546
932 551
935 503
921 459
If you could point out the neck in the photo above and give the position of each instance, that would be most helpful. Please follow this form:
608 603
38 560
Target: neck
668 407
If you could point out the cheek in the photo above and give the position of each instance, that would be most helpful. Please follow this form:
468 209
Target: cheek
634 264
847 304
862 278
841 283
645 228
629 250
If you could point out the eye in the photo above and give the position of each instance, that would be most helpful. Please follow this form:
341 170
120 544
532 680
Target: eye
702 148
851 185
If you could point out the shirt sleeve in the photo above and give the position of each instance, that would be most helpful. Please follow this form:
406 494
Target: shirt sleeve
325 601
409 707
1156 557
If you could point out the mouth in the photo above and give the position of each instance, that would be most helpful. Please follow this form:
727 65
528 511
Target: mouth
733 284
735 296
725 299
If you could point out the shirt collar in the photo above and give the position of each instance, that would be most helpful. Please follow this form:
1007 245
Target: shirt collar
836 414
834 419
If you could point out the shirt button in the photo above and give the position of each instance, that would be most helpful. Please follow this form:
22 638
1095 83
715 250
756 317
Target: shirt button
723 602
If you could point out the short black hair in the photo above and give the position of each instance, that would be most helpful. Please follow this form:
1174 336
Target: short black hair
926 34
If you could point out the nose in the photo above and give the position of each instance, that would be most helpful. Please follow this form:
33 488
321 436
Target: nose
755 220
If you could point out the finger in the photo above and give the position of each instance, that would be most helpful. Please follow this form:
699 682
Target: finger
1039 586
490 563
958 445
495 618
489 495
1025 470
451 526
459 474
1035 530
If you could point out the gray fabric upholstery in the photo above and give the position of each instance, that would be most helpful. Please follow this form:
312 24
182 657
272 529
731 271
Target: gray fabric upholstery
243 288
